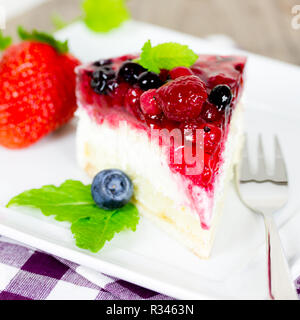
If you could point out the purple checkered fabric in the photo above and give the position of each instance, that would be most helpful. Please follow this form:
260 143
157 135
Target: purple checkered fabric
28 274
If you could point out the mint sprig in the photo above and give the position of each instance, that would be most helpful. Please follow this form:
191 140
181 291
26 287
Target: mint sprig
104 15
60 46
92 232
166 56
72 201
5 42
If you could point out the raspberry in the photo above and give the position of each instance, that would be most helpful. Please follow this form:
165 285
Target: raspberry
149 104
183 98
164 75
210 113
180 72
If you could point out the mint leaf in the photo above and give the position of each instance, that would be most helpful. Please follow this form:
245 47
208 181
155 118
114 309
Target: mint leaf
166 56
68 202
91 233
5 42
104 15
73 202
59 46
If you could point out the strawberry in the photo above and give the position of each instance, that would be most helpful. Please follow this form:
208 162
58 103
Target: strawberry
37 89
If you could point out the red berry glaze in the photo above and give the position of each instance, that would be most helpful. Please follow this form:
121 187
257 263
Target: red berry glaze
212 137
182 99
210 113
37 92
181 103
118 93
180 72
132 101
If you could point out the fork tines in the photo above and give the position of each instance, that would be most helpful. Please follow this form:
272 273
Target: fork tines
279 175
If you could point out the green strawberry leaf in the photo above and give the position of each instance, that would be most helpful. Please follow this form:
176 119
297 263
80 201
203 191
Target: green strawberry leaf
73 202
91 233
5 42
104 15
166 56
60 46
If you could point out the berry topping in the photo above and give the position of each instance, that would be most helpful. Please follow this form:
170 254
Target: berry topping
117 91
180 72
164 75
132 101
130 72
220 96
210 113
189 129
206 174
149 80
173 97
149 104
182 99
111 189
101 78
225 78
212 137
102 62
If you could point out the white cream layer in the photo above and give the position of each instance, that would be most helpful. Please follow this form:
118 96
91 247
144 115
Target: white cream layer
160 193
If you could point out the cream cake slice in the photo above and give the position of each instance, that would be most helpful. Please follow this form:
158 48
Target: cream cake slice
126 112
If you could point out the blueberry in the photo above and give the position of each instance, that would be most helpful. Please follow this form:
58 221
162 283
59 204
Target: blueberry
100 79
130 72
206 129
111 189
220 96
149 80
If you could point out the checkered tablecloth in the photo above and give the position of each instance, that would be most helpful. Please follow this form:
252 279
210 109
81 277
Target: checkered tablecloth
28 274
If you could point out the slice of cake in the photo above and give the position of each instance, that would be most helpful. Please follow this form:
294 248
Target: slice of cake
121 105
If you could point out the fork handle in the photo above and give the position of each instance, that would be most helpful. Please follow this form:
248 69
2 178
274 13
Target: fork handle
281 286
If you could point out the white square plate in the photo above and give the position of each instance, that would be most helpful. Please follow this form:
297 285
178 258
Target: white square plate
148 257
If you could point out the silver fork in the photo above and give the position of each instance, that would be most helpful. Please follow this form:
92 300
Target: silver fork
265 193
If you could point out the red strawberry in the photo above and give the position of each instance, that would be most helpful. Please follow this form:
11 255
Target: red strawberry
37 89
